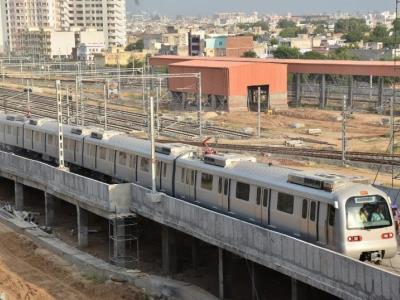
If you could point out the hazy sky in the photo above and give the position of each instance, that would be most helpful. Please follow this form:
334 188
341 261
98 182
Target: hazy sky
202 7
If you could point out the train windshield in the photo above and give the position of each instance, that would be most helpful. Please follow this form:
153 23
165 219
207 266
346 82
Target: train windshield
367 212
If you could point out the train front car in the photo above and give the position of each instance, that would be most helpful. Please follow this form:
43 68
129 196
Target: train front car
367 228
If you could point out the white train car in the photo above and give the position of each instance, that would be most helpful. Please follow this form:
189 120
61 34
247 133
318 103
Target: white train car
320 208
11 130
337 212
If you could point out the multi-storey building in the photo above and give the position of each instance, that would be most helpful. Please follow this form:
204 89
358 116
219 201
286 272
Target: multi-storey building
107 16
19 15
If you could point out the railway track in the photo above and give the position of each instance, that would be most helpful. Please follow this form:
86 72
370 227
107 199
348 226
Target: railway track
43 106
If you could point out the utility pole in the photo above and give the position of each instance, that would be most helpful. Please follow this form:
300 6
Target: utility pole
60 126
119 75
200 108
153 148
28 103
76 100
259 112
344 121
106 89
68 108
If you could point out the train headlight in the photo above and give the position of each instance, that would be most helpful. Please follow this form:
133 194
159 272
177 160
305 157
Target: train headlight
387 235
354 238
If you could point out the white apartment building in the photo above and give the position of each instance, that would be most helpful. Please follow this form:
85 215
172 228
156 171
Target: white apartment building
19 15
108 16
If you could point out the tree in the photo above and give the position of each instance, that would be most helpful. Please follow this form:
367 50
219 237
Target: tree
313 55
320 29
138 63
250 53
138 46
286 52
379 34
273 41
286 24
343 54
353 24
289 32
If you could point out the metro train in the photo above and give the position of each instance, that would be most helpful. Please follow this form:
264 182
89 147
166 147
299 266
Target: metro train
337 212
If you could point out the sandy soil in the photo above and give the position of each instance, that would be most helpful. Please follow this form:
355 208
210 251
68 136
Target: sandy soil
29 272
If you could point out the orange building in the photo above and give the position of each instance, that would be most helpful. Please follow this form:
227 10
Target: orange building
233 86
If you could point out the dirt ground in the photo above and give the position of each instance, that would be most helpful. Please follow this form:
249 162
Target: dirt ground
29 272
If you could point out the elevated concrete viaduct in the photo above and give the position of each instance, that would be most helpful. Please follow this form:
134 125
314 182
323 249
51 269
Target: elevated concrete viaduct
304 263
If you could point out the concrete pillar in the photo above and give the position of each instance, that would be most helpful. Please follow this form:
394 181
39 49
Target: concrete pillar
253 282
381 89
169 258
225 274
221 273
322 99
83 227
119 241
19 196
195 253
50 203
213 102
298 90
350 93
294 290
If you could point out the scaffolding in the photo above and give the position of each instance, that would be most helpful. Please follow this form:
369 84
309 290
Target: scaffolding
123 247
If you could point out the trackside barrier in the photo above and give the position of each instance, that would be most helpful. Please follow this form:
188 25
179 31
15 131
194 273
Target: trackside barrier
73 187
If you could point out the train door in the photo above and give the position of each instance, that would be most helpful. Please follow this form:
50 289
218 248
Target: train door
322 223
308 220
331 234
223 193
190 184
262 202
158 175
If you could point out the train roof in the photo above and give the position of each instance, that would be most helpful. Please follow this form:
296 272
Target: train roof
12 118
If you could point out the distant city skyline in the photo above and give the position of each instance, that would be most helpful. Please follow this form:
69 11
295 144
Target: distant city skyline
208 7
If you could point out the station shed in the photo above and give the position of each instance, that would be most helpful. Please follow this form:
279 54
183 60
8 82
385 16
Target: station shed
232 86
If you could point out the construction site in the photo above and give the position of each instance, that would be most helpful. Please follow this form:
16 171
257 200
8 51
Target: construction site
304 115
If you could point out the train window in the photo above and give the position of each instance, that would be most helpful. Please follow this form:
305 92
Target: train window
242 191
165 170
93 150
331 215
158 168
265 197
103 153
304 209
183 175
110 155
226 187
207 181
122 158
258 196
219 185
144 164
9 129
132 161
313 211
285 203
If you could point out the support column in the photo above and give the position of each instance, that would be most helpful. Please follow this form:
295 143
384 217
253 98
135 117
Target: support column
225 274
253 282
50 208
83 230
213 102
195 254
19 196
298 90
381 88
169 259
350 93
119 241
221 273
294 289
322 99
